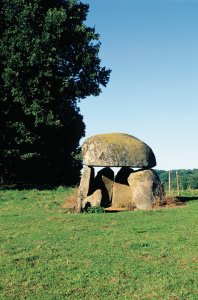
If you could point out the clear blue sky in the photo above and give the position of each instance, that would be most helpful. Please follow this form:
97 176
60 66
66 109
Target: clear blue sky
152 48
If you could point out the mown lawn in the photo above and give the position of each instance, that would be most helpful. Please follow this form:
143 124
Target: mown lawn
46 253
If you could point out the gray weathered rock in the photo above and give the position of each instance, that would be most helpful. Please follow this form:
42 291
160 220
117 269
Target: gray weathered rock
92 200
117 150
145 187
122 197
85 185
104 181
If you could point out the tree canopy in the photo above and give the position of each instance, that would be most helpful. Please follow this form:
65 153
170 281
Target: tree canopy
49 61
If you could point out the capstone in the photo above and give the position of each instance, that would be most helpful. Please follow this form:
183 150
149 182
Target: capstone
117 150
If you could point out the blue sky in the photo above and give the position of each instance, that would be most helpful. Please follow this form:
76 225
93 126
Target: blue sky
151 46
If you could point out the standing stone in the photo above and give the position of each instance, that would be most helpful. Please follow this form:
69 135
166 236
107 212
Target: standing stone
104 181
92 200
121 196
121 191
145 187
85 185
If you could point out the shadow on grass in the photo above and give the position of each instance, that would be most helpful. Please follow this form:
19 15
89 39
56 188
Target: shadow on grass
116 210
186 198
113 211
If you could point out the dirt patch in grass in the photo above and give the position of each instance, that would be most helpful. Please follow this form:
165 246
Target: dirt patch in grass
71 201
168 201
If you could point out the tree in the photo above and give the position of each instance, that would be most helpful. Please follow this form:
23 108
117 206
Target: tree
187 178
49 62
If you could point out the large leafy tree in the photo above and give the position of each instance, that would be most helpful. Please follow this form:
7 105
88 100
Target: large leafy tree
49 61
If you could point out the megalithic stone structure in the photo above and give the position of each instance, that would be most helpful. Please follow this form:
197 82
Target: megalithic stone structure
118 150
85 185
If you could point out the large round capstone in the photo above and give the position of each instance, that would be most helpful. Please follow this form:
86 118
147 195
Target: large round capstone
117 150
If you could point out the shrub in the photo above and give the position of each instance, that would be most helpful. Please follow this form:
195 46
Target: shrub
95 210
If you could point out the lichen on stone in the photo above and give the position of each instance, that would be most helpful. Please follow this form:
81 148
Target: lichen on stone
117 149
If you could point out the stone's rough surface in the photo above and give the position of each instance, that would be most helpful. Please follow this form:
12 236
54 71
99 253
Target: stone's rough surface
122 197
140 188
117 150
85 185
92 200
107 195
104 181
145 187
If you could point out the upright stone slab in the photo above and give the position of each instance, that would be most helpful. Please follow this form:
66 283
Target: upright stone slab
93 200
117 150
121 191
121 196
145 187
104 181
85 185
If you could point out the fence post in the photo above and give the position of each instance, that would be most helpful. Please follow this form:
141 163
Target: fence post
169 182
177 177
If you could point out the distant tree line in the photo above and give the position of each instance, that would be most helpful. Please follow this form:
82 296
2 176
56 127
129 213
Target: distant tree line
188 179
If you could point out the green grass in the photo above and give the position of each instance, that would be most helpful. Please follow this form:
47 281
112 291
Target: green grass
47 253
184 193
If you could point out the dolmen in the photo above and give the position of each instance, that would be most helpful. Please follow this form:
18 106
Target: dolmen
129 188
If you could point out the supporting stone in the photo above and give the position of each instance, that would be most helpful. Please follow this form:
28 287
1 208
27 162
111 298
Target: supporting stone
104 181
145 188
85 185
121 191
92 200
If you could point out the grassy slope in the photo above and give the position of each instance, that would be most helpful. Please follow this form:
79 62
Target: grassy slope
46 253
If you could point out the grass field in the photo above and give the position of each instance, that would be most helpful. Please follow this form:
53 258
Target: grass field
184 193
47 253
